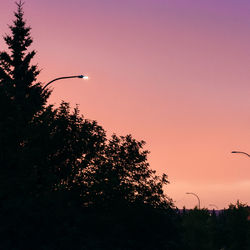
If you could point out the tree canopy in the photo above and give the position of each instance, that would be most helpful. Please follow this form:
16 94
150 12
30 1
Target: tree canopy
47 149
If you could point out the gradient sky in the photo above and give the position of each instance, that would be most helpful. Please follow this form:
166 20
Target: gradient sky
175 73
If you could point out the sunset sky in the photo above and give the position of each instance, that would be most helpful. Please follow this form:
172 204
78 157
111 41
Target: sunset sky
175 73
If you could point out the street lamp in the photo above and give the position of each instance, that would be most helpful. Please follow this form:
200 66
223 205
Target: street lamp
239 152
199 203
65 77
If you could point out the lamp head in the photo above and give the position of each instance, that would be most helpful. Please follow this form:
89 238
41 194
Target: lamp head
83 77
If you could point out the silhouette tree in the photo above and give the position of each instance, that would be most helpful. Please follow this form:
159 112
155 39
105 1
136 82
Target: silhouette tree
20 95
234 227
60 175
60 146
17 75
120 176
197 230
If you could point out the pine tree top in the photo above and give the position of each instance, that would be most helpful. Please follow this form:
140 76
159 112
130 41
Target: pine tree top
17 75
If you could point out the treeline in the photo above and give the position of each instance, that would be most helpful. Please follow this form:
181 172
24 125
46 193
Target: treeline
52 223
65 185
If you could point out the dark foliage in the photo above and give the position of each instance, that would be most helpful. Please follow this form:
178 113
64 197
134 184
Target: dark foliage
234 227
65 185
21 97
120 176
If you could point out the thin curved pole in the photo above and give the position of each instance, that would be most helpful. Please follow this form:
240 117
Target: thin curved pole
240 152
199 202
64 77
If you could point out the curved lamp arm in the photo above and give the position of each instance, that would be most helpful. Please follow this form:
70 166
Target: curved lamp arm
64 77
199 202
240 152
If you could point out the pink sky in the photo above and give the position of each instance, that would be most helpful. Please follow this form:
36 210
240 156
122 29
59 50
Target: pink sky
175 73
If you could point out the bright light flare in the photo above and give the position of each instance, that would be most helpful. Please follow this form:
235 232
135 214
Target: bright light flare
83 77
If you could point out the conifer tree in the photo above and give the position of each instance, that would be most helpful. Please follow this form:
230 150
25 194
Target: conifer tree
18 87
21 98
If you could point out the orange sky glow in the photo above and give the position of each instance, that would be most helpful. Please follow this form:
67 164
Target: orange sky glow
175 73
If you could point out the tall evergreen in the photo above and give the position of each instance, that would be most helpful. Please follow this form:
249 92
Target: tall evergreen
21 98
18 86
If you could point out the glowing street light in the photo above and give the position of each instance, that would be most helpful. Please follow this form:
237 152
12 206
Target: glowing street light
199 203
65 77
240 152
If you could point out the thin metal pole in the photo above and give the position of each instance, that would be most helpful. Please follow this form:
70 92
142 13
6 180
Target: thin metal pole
199 203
